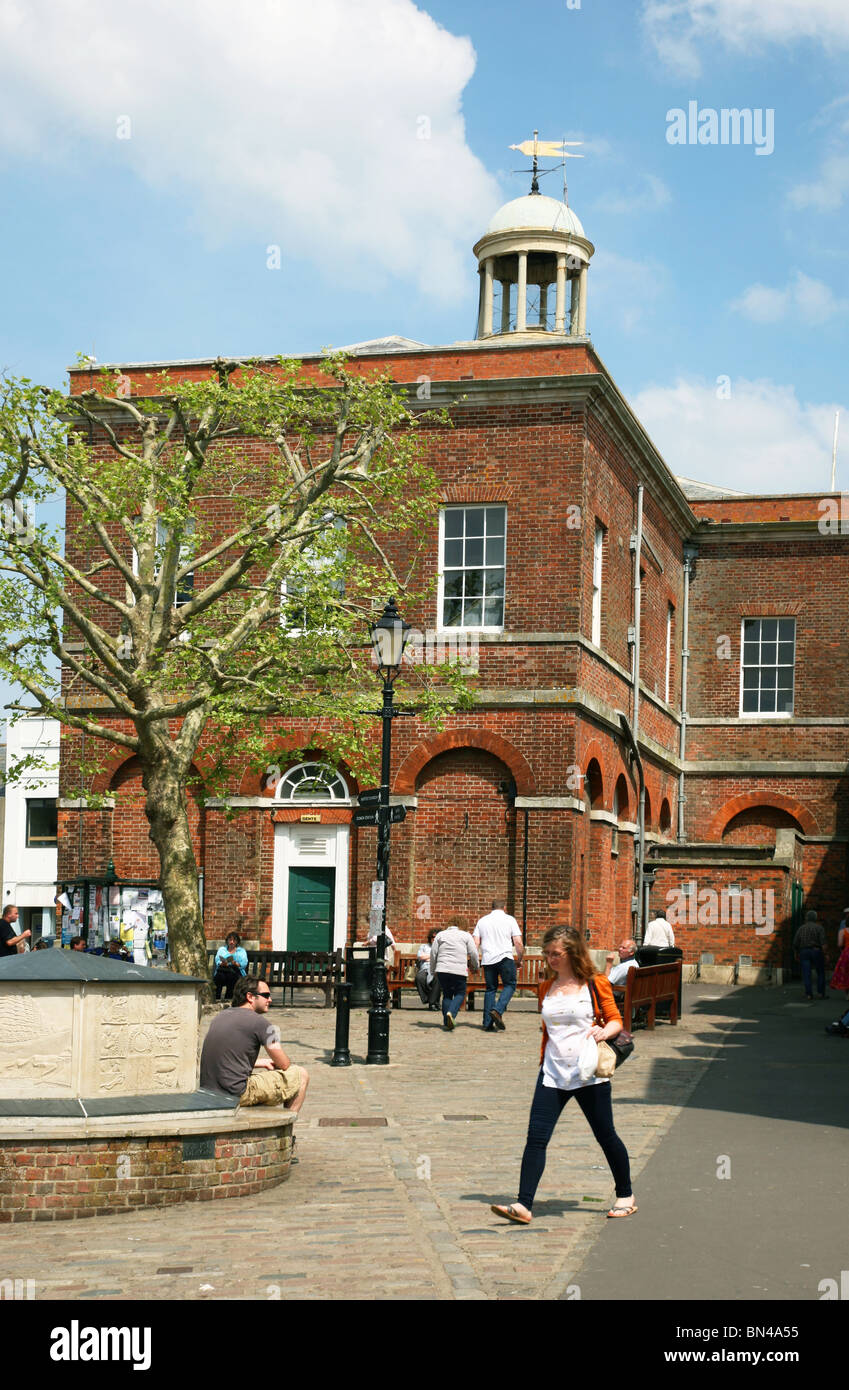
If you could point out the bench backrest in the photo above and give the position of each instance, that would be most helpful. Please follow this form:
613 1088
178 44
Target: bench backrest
653 982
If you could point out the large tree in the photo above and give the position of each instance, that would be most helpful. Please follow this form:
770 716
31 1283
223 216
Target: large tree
226 543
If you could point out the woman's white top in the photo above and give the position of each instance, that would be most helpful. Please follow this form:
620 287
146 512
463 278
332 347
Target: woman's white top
568 1018
452 952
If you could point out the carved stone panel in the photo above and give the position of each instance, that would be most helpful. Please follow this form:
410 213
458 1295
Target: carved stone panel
36 1043
139 1043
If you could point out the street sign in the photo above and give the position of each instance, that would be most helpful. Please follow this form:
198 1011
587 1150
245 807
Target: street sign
396 813
365 817
374 796
378 892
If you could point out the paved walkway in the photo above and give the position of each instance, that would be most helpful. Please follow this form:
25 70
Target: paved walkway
392 1202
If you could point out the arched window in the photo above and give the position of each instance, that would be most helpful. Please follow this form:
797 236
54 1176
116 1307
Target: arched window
311 782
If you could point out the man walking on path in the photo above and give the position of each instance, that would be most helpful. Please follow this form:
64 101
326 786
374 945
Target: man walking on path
496 936
809 942
229 1063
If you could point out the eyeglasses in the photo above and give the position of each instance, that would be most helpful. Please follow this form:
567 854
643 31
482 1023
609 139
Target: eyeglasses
261 996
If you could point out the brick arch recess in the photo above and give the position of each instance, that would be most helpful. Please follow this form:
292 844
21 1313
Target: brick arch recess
133 852
774 800
464 836
481 739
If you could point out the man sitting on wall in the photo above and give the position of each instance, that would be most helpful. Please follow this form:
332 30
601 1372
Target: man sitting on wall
229 1063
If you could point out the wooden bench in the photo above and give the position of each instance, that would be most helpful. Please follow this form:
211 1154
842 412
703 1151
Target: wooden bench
528 976
295 970
647 986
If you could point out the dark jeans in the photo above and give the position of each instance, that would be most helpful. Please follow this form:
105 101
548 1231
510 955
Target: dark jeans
428 993
225 978
453 992
506 971
812 956
548 1102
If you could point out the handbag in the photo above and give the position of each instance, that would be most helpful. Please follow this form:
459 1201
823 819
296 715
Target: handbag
612 1052
410 974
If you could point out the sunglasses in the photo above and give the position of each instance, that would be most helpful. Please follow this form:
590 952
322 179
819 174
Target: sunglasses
262 996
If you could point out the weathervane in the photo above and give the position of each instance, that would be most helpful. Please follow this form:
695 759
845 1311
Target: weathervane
546 149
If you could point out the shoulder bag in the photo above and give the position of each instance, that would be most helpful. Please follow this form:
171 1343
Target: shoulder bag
612 1052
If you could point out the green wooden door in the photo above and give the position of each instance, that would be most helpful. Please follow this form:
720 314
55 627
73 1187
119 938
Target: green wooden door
311 894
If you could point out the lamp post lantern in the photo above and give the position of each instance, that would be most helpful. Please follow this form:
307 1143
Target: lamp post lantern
389 636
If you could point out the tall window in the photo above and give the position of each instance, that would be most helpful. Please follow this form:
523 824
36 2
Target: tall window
42 822
769 658
305 608
472 565
598 550
186 586
667 684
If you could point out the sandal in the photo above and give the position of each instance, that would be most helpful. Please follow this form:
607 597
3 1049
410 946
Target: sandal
511 1214
622 1211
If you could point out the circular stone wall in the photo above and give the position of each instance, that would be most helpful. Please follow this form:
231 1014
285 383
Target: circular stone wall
58 1180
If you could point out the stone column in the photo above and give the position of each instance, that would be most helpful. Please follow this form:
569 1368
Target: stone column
505 306
582 314
487 298
560 301
543 306
480 301
522 294
575 305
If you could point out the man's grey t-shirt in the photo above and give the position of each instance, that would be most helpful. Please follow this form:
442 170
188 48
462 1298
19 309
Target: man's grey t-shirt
231 1048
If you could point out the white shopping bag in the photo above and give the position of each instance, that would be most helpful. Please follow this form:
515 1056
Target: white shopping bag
588 1058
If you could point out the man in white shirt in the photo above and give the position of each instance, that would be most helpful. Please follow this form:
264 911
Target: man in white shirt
496 936
618 974
659 933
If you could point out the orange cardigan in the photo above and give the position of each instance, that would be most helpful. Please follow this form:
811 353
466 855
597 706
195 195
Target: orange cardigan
607 1013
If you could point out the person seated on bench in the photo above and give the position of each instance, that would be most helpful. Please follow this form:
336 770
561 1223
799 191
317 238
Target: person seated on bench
427 984
618 974
231 964
228 1061
371 940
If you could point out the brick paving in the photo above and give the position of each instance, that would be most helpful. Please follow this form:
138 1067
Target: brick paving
394 1211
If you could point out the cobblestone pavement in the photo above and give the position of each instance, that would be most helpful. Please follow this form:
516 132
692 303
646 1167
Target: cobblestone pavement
394 1210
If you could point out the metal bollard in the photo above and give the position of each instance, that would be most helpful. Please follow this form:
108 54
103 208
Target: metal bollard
341 1054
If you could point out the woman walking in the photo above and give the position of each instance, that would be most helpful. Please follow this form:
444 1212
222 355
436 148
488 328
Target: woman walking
840 978
578 1003
452 951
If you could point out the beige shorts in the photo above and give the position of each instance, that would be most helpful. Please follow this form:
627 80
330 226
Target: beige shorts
272 1087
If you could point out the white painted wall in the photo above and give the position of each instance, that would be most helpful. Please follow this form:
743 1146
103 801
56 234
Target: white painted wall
29 875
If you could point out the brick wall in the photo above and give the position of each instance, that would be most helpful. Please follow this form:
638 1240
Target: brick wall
76 1178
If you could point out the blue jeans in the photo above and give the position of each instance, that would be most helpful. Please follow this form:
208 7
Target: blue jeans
506 969
453 992
546 1108
812 956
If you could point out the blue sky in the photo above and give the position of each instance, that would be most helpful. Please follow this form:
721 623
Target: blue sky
150 160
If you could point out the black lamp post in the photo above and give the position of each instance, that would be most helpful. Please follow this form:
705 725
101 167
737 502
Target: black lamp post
389 637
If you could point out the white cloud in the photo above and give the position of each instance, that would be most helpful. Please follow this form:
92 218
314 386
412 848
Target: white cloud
809 301
678 28
762 438
332 129
827 192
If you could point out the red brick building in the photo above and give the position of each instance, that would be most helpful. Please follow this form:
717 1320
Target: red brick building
550 490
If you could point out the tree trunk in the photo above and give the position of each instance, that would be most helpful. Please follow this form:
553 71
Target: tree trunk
165 808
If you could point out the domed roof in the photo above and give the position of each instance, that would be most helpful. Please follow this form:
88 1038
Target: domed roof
535 212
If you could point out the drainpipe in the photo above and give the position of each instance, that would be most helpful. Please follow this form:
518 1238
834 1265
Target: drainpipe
690 554
634 730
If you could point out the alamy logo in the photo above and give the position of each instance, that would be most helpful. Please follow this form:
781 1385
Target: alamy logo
728 126
17 1289
691 906
77 1343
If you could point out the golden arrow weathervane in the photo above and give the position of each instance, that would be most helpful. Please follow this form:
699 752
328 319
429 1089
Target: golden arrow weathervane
545 149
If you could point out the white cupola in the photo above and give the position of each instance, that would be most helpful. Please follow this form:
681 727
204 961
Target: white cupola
533 247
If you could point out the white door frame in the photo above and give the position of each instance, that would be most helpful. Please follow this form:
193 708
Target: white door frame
288 851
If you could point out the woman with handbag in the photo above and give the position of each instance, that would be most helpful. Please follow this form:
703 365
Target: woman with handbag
578 1013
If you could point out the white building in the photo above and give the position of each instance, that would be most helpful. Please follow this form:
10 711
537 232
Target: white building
29 842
